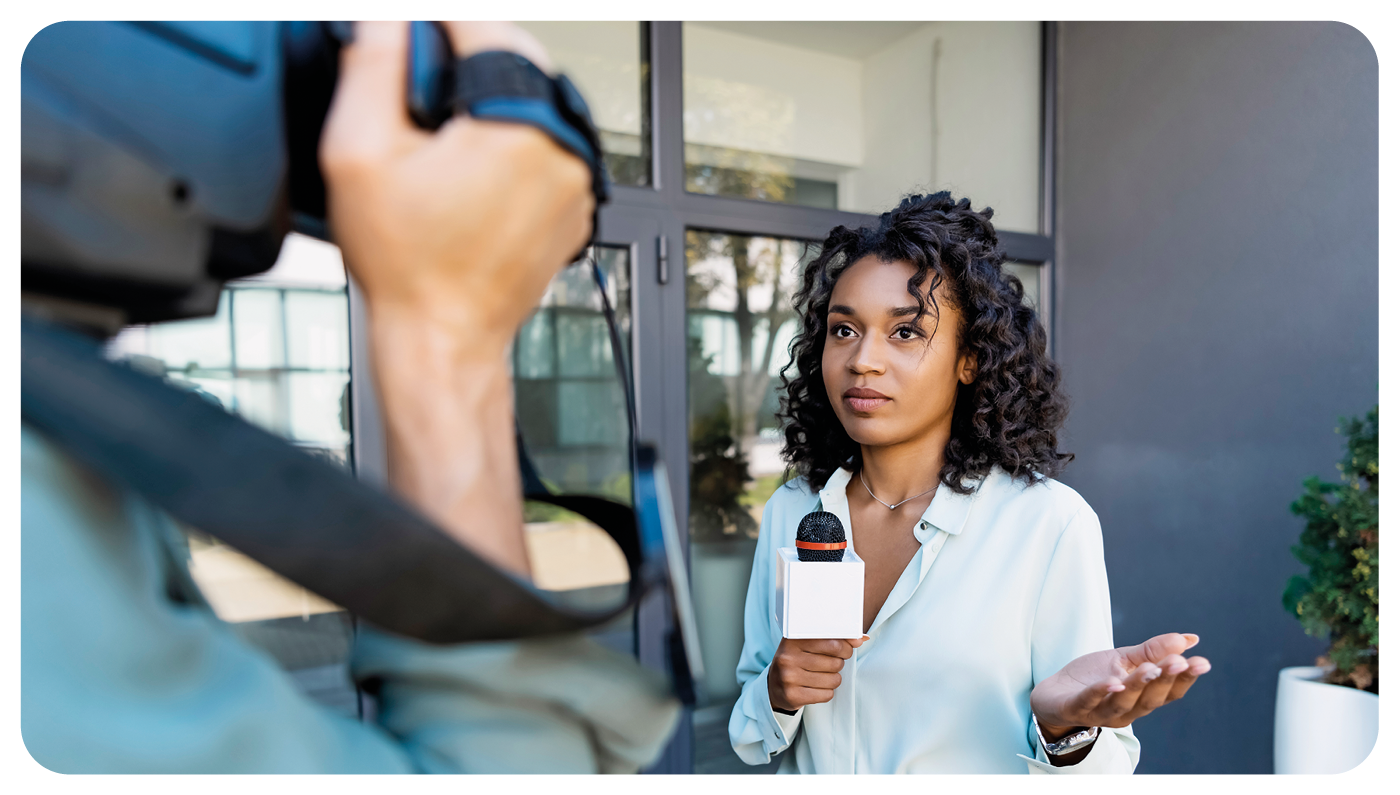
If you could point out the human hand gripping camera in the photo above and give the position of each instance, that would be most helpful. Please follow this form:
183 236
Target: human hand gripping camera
452 234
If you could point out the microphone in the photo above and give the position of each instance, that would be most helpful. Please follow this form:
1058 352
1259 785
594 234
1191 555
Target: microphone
821 538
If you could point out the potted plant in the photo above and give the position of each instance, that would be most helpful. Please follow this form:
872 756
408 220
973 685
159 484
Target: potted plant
1327 714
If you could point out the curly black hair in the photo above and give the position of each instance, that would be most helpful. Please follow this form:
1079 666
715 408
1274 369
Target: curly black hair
1011 412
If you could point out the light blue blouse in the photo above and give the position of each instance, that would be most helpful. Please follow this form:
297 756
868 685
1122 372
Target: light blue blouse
1007 587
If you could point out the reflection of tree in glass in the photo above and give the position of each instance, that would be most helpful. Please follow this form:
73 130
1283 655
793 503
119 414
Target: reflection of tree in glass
719 471
726 408
733 172
757 263
624 169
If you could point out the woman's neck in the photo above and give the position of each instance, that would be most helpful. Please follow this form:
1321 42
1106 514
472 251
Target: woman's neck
899 471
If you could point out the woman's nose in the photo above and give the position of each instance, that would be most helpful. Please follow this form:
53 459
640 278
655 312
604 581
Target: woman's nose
868 357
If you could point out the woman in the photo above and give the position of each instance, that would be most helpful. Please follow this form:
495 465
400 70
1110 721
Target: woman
921 408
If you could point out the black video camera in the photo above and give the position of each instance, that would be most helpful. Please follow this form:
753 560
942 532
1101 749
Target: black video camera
161 159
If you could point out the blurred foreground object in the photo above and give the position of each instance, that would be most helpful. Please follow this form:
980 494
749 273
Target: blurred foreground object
160 159
155 168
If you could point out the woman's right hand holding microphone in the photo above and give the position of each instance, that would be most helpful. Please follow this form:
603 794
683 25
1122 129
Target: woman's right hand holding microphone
808 671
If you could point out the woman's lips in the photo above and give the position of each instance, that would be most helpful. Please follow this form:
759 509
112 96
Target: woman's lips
864 401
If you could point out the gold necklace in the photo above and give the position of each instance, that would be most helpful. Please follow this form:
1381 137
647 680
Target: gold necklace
882 502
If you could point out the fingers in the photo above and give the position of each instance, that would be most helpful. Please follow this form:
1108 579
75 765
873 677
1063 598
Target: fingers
1159 647
1091 699
369 115
809 655
818 662
1114 710
1151 685
790 685
803 696
1159 688
831 647
791 678
1196 667
808 671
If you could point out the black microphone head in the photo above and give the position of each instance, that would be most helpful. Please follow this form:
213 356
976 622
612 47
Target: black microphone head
821 527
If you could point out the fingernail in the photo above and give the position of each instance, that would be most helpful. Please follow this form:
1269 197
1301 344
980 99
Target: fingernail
1202 669
1116 688
1152 672
1177 668
1191 639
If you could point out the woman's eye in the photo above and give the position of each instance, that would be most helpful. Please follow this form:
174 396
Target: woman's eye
905 333
843 332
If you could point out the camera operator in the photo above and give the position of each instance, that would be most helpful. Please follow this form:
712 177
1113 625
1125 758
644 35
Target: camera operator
452 236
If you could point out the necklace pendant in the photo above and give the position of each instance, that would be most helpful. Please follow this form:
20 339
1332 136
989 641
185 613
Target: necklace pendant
891 507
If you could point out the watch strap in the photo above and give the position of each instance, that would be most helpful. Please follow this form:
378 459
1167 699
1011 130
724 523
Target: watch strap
1070 743
504 86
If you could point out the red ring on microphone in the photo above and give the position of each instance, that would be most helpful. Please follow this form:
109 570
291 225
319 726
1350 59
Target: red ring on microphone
815 545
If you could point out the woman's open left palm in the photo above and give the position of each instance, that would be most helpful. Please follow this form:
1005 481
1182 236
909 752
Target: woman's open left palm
1114 687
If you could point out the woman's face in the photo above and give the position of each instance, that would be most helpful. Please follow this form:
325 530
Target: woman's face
891 378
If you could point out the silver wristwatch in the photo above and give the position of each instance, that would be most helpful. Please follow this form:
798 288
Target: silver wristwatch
1069 743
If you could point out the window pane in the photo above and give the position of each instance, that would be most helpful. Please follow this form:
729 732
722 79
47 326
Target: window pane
570 404
534 348
853 115
313 411
605 60
740 322
258 398
190 346
1029 275
257 329
277 354
318 330
591 414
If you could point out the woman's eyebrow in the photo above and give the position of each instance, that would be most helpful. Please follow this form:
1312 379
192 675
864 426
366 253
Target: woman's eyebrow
898 311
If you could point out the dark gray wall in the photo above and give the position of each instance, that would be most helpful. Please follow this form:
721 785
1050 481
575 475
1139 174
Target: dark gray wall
1217 310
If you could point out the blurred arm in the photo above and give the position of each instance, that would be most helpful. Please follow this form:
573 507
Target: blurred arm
453 237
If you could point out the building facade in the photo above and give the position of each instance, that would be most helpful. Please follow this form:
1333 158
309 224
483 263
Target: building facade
1191 208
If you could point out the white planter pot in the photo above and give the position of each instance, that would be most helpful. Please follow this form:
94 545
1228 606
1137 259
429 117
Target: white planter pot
1321 728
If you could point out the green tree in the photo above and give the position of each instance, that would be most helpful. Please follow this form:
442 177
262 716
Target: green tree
1338 598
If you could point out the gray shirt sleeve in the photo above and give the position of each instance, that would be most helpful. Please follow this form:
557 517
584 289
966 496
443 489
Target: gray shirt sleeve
118 677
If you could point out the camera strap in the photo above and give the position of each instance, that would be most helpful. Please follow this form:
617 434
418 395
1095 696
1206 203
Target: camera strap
300 516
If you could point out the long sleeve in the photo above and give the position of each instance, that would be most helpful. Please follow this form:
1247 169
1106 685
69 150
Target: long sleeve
1073 618
755 731
118 677
551 705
